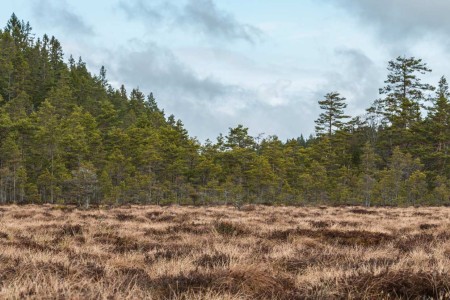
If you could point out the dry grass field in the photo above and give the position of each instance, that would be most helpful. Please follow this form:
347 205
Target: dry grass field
223 253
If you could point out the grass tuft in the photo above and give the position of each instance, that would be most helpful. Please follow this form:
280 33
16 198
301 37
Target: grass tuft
229 228
191 253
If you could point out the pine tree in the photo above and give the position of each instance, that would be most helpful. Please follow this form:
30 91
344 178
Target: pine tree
404 92
368 172
438 130
85 183
19 31
238 137
67 135
416 187
441 192
332 118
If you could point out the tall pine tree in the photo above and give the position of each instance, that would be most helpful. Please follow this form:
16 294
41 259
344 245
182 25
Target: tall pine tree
332 117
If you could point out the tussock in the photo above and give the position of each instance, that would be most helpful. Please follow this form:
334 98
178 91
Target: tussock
125 217
257 252
71 230
363 211
216 259
403 284
428 226
319 224
229 229
411 242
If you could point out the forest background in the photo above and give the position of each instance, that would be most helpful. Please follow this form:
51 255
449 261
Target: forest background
68 136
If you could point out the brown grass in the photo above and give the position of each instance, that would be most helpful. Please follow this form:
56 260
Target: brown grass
255 252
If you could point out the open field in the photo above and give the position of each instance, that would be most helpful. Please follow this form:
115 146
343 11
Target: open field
224 253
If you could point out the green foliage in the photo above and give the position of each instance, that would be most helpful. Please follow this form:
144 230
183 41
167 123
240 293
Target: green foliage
331 119
67 136
404 92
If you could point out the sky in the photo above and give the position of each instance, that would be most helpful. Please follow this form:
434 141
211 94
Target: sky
264 64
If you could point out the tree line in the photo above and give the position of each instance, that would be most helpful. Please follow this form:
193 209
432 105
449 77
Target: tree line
68 136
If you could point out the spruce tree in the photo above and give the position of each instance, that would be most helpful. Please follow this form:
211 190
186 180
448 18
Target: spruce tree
439 129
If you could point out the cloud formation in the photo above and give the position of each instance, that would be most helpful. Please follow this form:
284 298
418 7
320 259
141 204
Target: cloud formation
201 16
209 20
401 19
150 14
59 15
277 106
208 104
156 68
360 78
208 68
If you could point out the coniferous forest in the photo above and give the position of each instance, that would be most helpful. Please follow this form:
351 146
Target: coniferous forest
67 136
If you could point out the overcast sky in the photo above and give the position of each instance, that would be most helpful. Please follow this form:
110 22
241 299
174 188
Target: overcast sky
261 63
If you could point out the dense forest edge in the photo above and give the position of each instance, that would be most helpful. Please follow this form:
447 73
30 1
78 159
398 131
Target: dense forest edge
68 137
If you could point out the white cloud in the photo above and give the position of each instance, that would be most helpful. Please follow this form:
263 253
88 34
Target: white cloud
61 15
200 16
401 19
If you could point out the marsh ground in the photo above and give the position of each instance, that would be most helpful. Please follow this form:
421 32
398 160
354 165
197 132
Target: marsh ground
257 252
